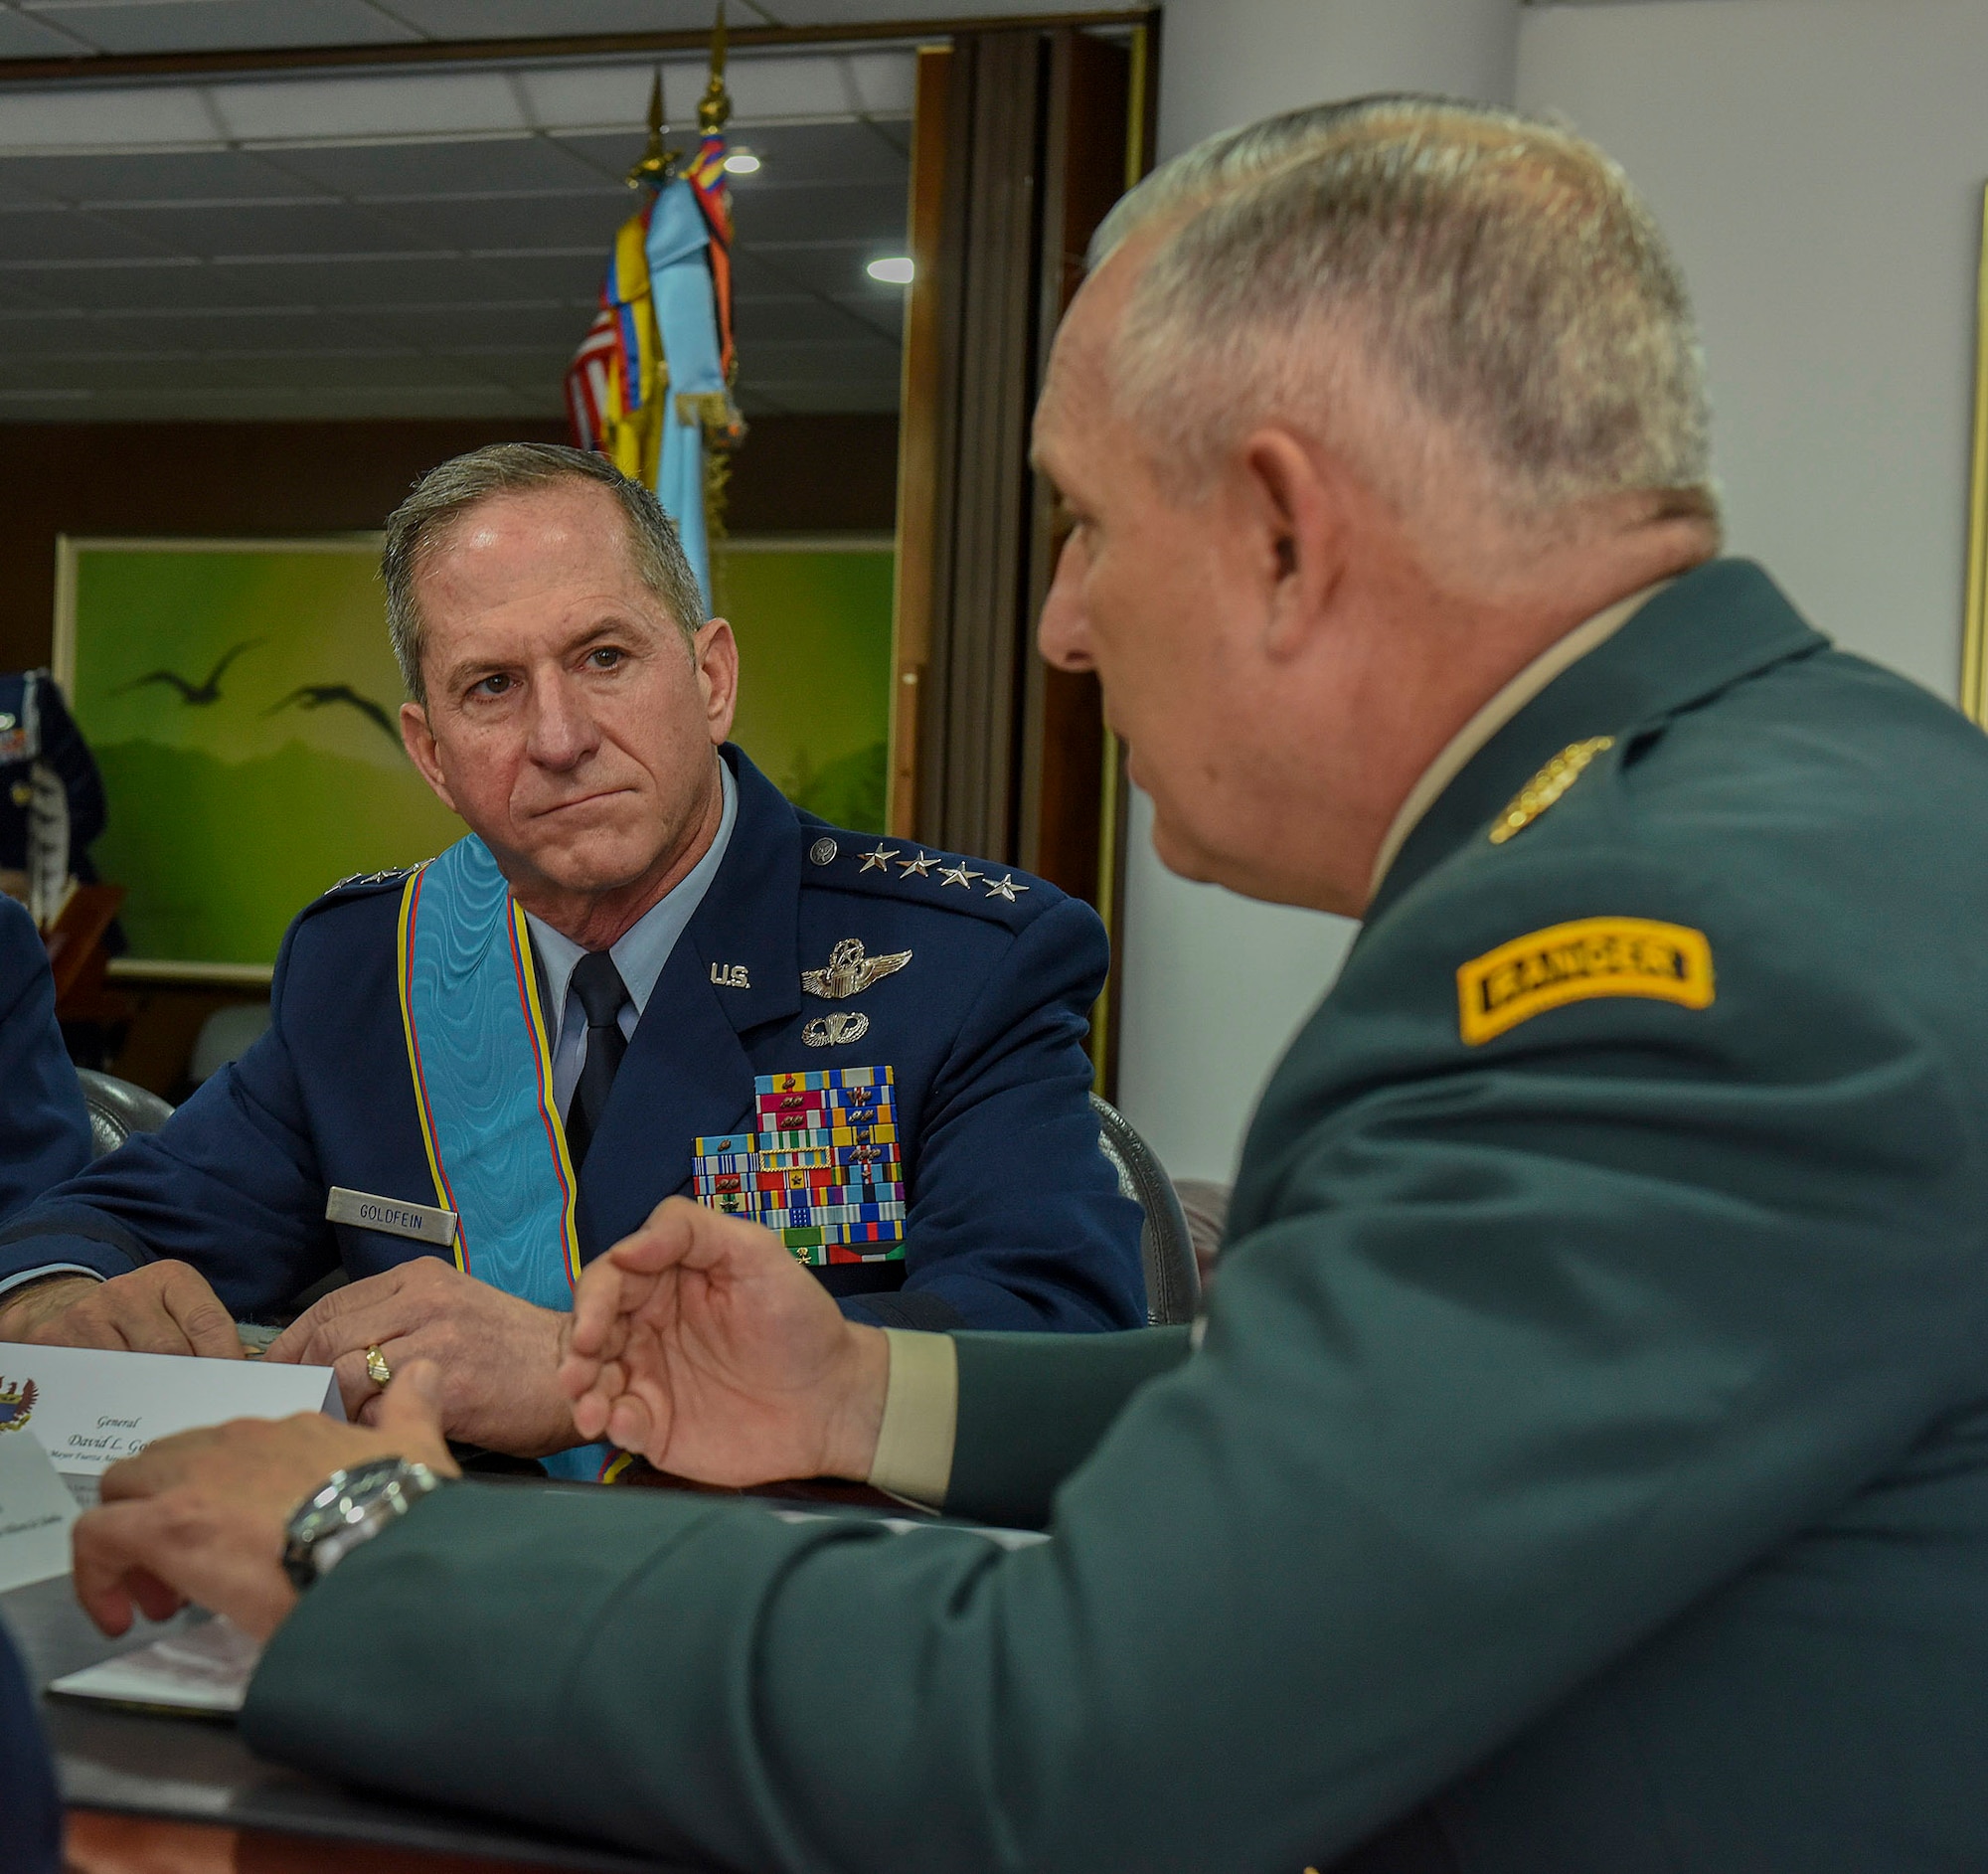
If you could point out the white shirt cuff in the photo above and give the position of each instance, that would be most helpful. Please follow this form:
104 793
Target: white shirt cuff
41 1275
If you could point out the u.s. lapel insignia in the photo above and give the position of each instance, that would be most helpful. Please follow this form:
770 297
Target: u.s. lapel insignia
1547 787
850 972
731 976
833 1031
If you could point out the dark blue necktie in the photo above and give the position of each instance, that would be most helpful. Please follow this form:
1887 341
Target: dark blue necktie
601 993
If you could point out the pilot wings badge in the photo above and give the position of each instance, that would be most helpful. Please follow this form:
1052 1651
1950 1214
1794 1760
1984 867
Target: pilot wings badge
17 1404
849 971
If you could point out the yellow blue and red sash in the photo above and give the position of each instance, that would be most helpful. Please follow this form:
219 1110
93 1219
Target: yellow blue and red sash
483 1085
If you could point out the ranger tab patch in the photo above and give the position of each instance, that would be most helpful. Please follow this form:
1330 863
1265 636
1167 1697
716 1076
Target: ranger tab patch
1569 963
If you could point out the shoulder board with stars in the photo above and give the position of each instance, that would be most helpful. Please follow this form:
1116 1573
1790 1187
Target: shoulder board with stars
392 875
909 873
361 884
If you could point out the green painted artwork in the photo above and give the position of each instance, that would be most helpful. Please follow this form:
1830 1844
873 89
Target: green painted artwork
813 625
240 699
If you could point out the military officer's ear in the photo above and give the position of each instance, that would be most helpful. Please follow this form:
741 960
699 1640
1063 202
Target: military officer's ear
419 741
715 652
1294 509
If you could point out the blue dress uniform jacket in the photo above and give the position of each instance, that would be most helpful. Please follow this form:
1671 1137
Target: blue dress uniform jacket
1586 1456
43 1128
1014 1217
30 1821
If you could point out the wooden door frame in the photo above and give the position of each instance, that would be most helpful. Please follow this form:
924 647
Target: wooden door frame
991 751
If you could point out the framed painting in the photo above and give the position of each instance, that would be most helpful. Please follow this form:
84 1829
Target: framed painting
240 699
812 615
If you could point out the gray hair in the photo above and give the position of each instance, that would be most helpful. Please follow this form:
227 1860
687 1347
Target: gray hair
1500 271
420 525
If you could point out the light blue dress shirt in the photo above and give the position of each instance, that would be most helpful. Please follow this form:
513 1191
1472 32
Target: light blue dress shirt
643 950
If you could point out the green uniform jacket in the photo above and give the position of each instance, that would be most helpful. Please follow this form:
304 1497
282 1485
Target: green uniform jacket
1585 1466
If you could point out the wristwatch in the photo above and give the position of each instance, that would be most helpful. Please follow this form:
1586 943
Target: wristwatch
348 1509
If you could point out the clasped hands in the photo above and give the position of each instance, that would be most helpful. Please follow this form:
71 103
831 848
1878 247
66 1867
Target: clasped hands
698 1343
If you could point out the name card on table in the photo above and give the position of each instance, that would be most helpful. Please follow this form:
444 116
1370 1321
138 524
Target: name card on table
91 1407
36 1508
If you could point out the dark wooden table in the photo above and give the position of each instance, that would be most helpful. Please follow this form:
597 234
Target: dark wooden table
185 1796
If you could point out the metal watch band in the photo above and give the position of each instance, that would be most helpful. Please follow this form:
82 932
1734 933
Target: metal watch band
351 1506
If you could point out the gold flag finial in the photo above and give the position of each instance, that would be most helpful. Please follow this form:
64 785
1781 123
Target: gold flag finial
657 164
713 110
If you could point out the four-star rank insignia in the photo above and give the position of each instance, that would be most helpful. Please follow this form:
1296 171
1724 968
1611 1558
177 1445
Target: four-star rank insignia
849 972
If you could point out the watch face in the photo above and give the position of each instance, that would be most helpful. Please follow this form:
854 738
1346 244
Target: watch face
349 1507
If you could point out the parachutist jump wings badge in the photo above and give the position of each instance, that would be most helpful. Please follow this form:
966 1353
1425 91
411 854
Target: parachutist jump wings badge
849 971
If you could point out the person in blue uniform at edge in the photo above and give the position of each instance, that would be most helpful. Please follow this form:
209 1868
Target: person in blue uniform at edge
44 1127
481 1072
30 1821
44 1138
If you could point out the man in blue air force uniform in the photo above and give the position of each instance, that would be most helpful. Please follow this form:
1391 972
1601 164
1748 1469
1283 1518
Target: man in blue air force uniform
482 1072
30 1821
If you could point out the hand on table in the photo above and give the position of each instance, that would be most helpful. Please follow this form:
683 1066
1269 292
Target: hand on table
497 1356
199 1517
699 1342
164 1307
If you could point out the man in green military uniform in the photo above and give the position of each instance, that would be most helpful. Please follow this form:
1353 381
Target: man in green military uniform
1584 1465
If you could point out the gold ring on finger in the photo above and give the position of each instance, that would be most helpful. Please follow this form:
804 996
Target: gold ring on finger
376 1369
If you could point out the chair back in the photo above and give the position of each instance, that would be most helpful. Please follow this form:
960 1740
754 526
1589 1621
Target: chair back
118 1109
1173 1288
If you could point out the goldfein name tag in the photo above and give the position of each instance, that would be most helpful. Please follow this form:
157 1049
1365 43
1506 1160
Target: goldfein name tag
425 1223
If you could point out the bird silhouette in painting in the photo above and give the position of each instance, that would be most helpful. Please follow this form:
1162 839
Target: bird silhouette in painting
17 1406
195 695
317 695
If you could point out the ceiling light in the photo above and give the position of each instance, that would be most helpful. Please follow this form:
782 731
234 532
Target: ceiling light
742 163
897 270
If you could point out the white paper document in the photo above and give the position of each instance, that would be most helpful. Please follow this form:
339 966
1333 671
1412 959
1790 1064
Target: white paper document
36 1508
91 1407
203 1669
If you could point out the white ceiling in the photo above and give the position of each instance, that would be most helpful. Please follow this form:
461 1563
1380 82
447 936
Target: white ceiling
417 240
57 29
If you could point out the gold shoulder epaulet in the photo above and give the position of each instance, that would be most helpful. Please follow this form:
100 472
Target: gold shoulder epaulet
1547 787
